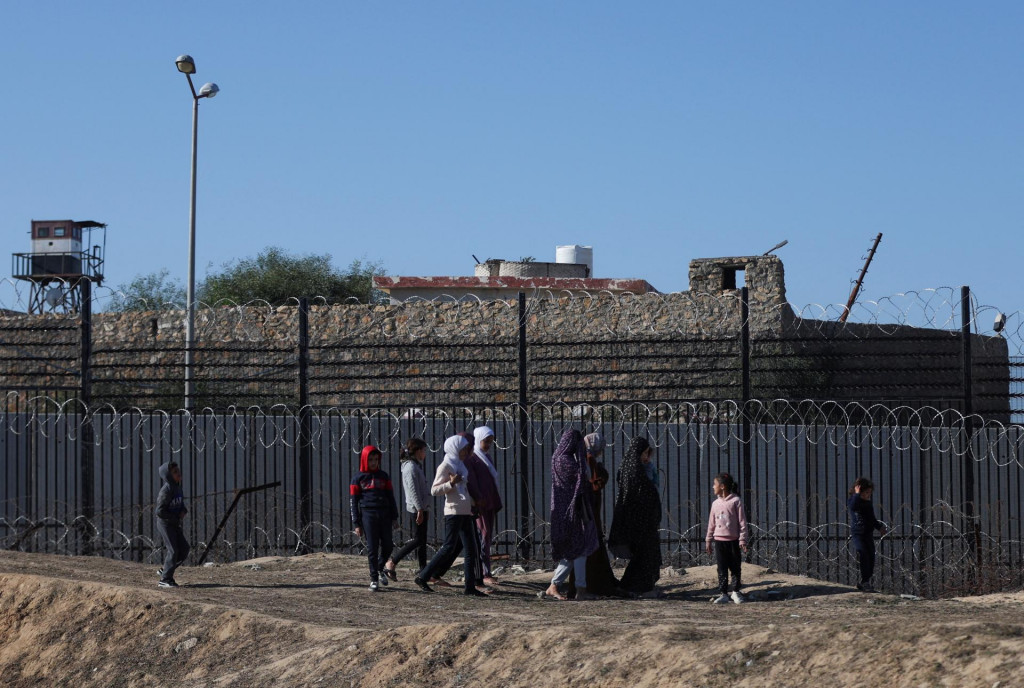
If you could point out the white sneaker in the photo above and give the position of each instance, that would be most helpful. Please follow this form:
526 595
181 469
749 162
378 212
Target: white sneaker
373 586
737 598
383 579
724 599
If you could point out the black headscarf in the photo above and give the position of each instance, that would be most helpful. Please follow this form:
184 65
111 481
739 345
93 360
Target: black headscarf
637 512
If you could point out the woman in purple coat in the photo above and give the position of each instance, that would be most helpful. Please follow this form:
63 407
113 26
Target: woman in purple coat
573 530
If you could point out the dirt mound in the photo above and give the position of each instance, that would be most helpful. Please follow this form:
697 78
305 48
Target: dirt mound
310 621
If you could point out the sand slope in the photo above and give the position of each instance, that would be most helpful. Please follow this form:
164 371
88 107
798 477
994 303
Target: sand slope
310 621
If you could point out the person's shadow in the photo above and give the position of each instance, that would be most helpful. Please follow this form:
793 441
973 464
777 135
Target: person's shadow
274 586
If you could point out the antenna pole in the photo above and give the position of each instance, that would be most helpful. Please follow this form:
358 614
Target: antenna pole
860 280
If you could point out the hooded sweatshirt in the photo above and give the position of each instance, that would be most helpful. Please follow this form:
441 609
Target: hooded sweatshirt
170 503
457 501
728 521
371 490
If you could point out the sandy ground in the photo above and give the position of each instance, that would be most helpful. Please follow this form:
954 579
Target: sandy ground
311 621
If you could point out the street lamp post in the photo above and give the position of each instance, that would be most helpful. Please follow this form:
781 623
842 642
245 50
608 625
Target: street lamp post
187 66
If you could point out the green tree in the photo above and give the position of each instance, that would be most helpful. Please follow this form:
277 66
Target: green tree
152 292
278 277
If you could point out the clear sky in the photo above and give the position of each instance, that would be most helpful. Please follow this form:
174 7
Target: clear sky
420 133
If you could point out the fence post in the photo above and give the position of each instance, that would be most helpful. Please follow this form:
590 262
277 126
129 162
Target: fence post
87 441
968 392
744 399
305 429
525 548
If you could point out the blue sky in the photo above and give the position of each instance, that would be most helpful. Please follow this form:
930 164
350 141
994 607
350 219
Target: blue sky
418 134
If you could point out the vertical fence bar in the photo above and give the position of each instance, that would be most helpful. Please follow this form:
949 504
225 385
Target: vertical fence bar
969 466
86 488
305 429
744 399
525 548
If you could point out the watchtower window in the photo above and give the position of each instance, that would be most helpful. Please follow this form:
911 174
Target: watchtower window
58 231
733 278
43 232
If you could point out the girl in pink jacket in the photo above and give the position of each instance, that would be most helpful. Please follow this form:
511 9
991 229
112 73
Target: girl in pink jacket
727 529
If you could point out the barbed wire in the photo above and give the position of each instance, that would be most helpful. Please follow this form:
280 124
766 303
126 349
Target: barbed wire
899 428
549 313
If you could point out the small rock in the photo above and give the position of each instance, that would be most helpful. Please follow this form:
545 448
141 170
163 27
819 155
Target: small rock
186 645
207 564
961 638
352 648
913 598
161 635
750 662
739 657
517 569
771 627
795 616
254 567
775 653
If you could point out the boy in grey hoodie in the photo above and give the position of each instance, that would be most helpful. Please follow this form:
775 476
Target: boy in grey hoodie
170 509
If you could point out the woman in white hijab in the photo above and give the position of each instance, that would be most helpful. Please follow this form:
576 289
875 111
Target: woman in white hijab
485 476
450 481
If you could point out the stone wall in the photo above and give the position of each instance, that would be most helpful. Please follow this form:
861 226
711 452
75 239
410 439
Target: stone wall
644 347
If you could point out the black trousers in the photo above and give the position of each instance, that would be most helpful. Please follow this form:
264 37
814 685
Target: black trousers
442 566
377 529
176 545
418 543
729 560
865 548
457 530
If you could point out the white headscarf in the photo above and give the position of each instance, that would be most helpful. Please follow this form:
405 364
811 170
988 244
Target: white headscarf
452 446
480 434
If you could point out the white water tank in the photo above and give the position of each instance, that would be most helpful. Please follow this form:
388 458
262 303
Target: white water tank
576 254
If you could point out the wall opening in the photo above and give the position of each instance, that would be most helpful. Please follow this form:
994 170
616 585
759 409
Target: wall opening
733 278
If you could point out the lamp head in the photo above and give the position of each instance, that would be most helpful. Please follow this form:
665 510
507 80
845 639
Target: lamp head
186 65
1000 322
209 90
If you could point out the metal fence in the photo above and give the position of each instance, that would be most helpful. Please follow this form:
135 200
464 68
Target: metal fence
913 392
950 491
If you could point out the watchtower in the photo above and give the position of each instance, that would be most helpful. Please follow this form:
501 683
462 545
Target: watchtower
57 264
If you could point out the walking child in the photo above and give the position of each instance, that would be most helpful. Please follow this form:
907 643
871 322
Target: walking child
863 525
170 510
727 529
450 481
417 503
374 512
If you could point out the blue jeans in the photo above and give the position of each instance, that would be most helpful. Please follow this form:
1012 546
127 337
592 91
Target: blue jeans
579 564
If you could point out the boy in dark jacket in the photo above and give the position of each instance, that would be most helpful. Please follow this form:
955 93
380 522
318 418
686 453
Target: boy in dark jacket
863 525
374 512
170 509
